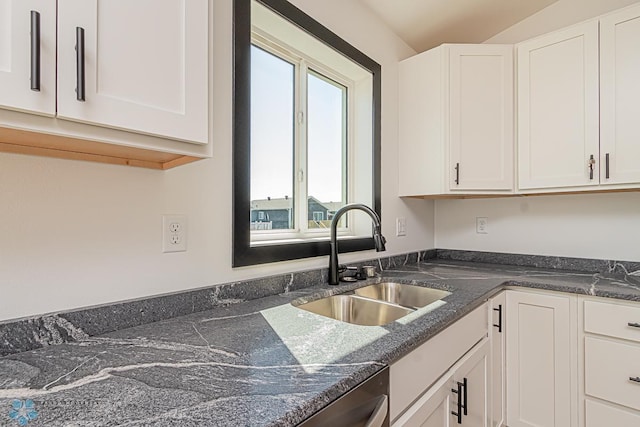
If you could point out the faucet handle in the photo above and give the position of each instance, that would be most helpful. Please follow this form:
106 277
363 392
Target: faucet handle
342 268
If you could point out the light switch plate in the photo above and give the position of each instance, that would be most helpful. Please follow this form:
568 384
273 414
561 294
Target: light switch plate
482 225
401 226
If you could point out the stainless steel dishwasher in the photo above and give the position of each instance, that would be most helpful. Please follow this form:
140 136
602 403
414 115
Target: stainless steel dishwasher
365 406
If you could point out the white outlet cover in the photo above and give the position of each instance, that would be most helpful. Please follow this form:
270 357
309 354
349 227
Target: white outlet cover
482 225
174 233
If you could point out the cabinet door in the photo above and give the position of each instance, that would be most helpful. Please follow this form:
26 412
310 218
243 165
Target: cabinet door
497 338
410 376
541 344
558 108
481 117
433 409
473 373
421 153
28 55
144 65
619 95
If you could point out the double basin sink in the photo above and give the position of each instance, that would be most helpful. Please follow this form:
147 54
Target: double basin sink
375 305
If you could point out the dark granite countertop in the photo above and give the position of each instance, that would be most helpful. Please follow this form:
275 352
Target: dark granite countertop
260 362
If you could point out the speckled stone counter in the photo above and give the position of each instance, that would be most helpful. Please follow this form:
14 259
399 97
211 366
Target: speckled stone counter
260 362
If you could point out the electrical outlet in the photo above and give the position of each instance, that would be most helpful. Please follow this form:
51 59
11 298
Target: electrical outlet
174 233
401 226
482 225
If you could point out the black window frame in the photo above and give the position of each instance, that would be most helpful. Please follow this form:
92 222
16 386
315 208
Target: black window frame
243 253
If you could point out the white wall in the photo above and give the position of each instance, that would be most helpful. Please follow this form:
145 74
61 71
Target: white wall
555 16
74 233
592 226
605 226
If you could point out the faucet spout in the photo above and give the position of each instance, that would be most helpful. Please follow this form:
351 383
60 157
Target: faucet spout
378 238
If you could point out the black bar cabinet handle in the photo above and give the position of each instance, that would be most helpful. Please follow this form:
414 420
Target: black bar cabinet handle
457 168
635 379
458 391
35 51
499 325
634 324
606 165
464 394
592 161
80 63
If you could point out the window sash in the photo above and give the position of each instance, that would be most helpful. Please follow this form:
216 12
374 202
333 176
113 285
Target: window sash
303 67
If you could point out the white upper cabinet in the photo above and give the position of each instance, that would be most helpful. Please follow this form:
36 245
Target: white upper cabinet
456 121
558 109
578 126
143 65
481 117
122 82
28 56
619 95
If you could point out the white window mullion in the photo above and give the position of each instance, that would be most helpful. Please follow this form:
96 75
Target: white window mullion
301 147
349 157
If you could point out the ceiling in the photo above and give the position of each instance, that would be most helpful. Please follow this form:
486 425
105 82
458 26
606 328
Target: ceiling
424 24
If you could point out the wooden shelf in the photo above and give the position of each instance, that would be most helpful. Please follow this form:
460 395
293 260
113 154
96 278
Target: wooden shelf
37 144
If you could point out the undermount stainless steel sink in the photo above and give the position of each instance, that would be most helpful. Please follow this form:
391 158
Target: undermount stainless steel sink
356 310
402 294
375 305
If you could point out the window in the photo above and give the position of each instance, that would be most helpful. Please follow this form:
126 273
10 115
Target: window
306 135
299 141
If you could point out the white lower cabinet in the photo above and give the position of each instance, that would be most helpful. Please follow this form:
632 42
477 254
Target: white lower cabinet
460 397
599 414
526 359
610 357
433 409
541 356
612 371
498 354
471 378
445 357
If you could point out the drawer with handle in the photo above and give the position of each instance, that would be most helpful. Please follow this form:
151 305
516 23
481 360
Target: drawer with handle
599 414
614 320
612 371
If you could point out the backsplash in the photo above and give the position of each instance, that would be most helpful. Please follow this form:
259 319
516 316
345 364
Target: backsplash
605 267
56 328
